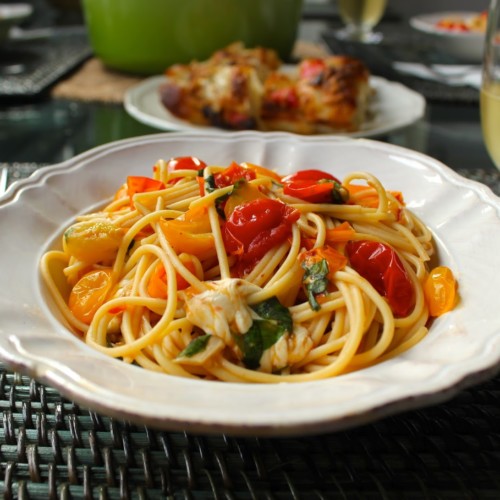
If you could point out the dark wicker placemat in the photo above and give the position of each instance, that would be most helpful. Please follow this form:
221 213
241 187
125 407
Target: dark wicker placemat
29 67
52 448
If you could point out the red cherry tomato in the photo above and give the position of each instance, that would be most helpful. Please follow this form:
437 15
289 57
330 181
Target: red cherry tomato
232 174
257 226
314 186
185 163
311 68
380 265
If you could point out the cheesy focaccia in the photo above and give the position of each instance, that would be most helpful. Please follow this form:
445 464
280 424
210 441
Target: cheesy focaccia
240 88
323 95
224 91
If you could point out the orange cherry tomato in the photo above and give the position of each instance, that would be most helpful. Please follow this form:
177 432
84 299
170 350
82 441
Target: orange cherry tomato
139 184
89 294
335 260
440 290
157 285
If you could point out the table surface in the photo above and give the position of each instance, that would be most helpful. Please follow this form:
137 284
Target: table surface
50 447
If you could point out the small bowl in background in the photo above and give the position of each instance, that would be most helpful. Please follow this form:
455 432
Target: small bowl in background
11 15
462 46
146 37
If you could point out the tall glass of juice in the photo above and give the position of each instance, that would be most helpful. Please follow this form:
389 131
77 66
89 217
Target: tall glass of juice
490 86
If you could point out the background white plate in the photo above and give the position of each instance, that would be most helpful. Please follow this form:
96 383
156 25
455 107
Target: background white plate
463 347
465 46
394 106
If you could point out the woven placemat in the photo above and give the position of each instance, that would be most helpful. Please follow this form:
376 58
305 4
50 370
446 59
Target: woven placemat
52 448
93 81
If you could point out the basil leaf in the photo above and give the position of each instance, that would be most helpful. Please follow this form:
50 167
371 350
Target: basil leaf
340 194
219 205
210 184
264 333
197 345
251 346
315 281
273 309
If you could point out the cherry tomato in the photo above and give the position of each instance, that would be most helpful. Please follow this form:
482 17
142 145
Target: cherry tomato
191 234
89 294
262 171
284 97
229 176
311 68
256 226
334 258
380 265
440 291
157 285
185 163
232 174
315 186
138 184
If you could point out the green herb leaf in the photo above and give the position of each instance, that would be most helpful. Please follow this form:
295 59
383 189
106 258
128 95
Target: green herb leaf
197 345
210 184
340 194
219 205
272 309
315 281
264 333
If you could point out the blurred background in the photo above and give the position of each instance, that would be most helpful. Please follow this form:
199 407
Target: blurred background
50 62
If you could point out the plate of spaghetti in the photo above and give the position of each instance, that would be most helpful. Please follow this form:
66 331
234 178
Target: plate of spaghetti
249 283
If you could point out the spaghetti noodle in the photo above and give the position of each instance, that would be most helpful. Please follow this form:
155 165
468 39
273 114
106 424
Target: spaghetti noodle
239 274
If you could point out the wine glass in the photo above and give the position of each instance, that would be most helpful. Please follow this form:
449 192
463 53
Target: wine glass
359 18
490 86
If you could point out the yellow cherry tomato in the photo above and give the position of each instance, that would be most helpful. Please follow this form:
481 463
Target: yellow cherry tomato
89 294
440 290
93 241
191 233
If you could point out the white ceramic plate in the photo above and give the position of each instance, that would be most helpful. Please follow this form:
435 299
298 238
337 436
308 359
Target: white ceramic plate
462 347
463 46
394 106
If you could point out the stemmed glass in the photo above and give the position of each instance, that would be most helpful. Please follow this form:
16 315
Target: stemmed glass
490 86
359 18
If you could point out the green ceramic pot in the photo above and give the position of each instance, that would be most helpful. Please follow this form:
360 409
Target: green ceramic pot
146 36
